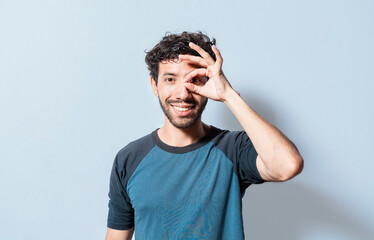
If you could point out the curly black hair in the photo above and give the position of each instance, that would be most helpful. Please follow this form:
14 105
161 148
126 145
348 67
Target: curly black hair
171 45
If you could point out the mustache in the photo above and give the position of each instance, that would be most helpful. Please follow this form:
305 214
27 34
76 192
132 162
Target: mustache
182 101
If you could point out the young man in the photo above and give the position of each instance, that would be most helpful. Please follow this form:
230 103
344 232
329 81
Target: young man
186 179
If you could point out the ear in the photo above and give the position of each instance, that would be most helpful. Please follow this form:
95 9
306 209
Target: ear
154 86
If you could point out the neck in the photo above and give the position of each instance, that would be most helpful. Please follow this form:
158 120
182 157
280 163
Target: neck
180 137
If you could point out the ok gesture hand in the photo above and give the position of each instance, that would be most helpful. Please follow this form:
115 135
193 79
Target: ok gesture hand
217 87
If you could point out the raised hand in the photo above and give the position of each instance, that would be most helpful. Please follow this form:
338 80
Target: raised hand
217 87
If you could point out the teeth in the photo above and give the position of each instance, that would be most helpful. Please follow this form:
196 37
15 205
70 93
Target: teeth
181 109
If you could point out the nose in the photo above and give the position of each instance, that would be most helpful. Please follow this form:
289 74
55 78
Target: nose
181 92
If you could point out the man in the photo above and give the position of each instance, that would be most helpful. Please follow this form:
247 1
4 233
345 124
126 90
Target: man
186 179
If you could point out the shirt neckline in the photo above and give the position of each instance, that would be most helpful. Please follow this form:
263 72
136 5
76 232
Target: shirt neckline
173 149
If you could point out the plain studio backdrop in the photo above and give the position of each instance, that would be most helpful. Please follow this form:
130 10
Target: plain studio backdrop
74 89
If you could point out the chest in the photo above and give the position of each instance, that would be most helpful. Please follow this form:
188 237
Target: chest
166 182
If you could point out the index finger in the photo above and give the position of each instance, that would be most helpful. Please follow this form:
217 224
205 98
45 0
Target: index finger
202 53
194 59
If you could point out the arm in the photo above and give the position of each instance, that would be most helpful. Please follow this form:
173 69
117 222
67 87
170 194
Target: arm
113 234
278 158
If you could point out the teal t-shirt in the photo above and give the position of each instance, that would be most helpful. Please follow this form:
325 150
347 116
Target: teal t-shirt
191 192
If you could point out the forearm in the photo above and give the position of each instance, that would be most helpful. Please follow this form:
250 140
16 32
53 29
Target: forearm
113 234
278 154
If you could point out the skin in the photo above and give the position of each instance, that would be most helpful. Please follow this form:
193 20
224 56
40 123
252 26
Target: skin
113 234
173 95
183 82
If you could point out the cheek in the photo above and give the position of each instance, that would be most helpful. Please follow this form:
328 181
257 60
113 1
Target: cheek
199 97
165 92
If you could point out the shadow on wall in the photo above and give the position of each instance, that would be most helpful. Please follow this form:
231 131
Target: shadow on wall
261 107
291 211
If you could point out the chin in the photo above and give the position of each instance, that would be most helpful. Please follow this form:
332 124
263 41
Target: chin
183 125
186 121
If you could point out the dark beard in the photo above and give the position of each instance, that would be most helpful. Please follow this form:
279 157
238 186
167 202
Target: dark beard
186 124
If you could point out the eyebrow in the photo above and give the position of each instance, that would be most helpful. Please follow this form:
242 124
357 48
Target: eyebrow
168 73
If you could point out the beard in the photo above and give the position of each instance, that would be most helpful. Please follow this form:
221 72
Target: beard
187 121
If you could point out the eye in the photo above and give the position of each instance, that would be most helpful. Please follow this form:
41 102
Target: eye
197 81
169 79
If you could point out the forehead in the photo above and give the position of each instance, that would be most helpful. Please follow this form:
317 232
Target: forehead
174 67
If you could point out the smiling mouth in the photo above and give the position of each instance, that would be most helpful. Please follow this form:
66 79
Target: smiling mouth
182 109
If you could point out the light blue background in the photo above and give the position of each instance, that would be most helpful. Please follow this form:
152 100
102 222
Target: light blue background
74 89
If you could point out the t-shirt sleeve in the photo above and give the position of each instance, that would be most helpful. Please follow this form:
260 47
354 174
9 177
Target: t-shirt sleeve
121 212
246 156
239 149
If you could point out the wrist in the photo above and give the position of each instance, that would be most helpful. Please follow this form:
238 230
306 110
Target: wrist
230 96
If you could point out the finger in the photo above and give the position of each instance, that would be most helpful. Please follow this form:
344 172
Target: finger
195 73
193 88
202 53
195 59
219 59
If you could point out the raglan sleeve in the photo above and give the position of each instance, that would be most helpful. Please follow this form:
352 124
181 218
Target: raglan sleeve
245 159
121 212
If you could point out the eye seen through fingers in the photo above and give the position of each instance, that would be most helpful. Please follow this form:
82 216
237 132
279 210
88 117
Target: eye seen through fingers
199 80
194 80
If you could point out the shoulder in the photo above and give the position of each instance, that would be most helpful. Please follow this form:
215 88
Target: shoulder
135 151
225 138
233 143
